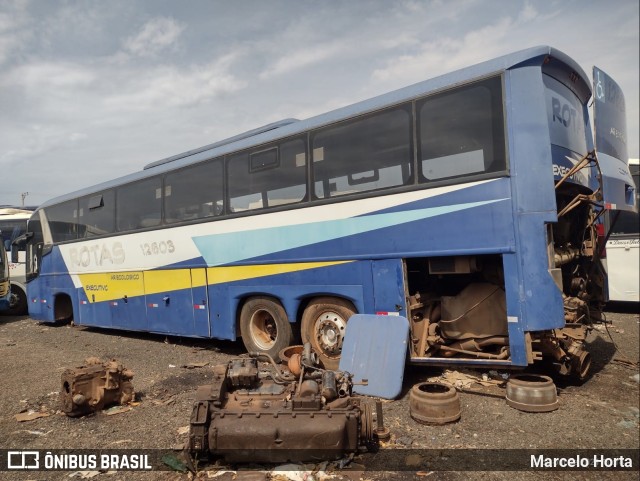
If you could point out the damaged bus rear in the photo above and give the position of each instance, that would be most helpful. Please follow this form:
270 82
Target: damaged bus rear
539 297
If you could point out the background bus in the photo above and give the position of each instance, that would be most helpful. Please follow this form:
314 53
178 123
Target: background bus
467 204
13 224
623 249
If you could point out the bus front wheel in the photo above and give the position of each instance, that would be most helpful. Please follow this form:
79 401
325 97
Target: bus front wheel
18 302
324 323
264 326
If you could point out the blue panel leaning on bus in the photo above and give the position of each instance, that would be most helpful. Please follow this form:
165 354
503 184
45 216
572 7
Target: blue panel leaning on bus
466 204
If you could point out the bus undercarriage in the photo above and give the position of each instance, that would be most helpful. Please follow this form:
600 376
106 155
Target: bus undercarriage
457 305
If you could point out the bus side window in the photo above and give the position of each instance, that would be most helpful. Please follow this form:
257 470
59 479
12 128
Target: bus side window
191 192
368 153
270 176
63 221
138 204
462 132
97 214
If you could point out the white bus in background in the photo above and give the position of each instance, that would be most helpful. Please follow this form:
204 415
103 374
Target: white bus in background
623 249
13 223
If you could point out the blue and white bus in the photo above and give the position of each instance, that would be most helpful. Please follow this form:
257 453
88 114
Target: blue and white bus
466 203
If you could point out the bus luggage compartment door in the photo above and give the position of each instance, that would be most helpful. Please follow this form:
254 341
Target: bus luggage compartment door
112 300
171 304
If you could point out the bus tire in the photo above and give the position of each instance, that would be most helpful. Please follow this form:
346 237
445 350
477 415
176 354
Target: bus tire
18 305
264 326
324 324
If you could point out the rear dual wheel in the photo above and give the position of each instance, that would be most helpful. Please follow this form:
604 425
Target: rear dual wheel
264 326
324 324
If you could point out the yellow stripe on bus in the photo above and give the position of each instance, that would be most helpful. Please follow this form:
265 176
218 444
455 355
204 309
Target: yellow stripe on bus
116 285
113 285
220 275
156 282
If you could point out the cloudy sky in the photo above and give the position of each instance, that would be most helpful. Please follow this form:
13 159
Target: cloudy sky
92 90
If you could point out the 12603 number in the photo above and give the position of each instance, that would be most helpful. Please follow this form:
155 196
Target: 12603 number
157 248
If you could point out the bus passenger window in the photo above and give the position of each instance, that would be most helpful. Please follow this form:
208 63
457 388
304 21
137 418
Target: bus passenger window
194 192
138 204
462 132
97 214
369 153
268 177
63 220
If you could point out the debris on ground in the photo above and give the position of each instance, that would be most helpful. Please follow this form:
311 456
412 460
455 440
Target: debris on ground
84 474
31 415
117 410
194 365
465 378
95 385
174 463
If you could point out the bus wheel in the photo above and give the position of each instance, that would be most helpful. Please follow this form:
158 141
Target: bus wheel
264 326
324 323
18 302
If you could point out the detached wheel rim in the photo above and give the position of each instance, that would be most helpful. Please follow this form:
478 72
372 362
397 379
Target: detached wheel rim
263 329
329 332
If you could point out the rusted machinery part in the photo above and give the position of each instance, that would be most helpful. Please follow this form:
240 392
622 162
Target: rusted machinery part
94 386
366 424
295 364
382 432
434 403
246 415
581 364
286 353
532 393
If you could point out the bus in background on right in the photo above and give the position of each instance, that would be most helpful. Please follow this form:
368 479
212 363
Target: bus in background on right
623 249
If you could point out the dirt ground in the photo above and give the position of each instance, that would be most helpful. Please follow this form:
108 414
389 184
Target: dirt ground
603 412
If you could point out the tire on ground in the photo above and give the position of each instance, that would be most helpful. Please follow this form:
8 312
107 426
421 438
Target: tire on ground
324 323
264 326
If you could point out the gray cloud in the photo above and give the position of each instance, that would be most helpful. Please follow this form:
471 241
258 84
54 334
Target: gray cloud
92 90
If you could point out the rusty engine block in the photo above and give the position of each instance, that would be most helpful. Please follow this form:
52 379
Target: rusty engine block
253 413
94 386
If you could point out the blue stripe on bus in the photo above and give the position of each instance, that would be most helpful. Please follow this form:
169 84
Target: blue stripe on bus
224 249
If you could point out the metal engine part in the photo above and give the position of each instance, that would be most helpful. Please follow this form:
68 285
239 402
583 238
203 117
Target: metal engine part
273 416
94 386
532 393
567 348
434 403
479 310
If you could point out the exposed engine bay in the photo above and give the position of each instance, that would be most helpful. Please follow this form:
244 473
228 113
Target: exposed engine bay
263 412
457 305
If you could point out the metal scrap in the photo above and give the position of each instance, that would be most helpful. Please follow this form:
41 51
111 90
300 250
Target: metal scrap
263 413
94 386
31 415
464 379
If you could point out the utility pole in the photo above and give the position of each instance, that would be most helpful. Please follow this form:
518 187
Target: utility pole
23 195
